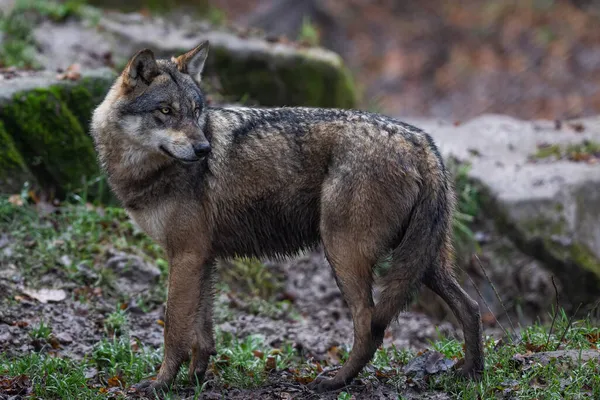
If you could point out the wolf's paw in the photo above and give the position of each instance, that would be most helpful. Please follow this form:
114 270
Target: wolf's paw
321 385
470 372
149 388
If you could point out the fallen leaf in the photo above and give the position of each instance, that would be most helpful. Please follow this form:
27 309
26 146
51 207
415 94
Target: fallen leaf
54 342
271 364
304 379
15 200
116 381
46 295
319 367
258 354
160 322
334 356
17 386
577 127
72 73
34 196
534 348
21 324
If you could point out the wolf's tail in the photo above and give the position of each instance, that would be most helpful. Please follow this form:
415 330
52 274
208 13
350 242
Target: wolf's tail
425 246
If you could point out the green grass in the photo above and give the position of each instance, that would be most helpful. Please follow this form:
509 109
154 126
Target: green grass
556 380
84 233
39 242
41 332
116 322
467 208
245 363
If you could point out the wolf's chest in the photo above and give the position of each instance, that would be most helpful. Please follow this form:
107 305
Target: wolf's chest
153 221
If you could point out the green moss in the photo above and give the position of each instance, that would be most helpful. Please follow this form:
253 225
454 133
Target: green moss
548 151
576 253
544 226
296 82
584 257
13 170
83 97
10 159
50 138
585 147
576 267
574 152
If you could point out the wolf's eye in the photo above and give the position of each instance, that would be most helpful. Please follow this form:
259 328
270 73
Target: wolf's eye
165 110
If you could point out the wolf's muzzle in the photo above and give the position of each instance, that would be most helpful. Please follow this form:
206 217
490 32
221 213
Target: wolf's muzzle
201 149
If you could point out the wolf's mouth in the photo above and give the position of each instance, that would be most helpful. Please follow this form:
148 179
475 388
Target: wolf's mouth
167 152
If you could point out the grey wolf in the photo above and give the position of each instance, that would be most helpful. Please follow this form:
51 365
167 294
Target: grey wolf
216 182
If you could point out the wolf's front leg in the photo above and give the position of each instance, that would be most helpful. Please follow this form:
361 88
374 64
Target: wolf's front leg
184 292
204 341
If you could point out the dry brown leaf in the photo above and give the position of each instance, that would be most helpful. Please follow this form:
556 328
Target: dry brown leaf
16 386
535 348
116 381
72 73
593 337
258 354
54 342
271 364
304 379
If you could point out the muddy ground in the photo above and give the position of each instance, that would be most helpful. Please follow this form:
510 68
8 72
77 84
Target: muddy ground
320 321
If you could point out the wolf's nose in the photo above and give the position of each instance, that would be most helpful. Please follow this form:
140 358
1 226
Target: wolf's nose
201 149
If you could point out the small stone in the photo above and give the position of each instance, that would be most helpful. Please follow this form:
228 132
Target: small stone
64 338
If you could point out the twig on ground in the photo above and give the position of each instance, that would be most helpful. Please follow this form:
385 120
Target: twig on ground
555 313
485 302
568 327
497 295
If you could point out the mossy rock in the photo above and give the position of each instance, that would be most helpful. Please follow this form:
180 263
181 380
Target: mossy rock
83 98
13 170
46 126
547 237
298 80
246 68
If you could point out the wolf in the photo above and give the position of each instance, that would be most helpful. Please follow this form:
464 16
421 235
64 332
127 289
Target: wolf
210 183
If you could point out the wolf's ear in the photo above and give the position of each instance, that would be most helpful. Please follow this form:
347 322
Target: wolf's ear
192 62
140 70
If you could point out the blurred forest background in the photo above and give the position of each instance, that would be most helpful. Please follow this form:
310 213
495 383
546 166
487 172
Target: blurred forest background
526 58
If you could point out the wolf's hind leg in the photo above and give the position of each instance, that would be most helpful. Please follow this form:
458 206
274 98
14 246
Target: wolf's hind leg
353 273
443 283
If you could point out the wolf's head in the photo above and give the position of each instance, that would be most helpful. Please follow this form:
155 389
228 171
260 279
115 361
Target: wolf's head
156 106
